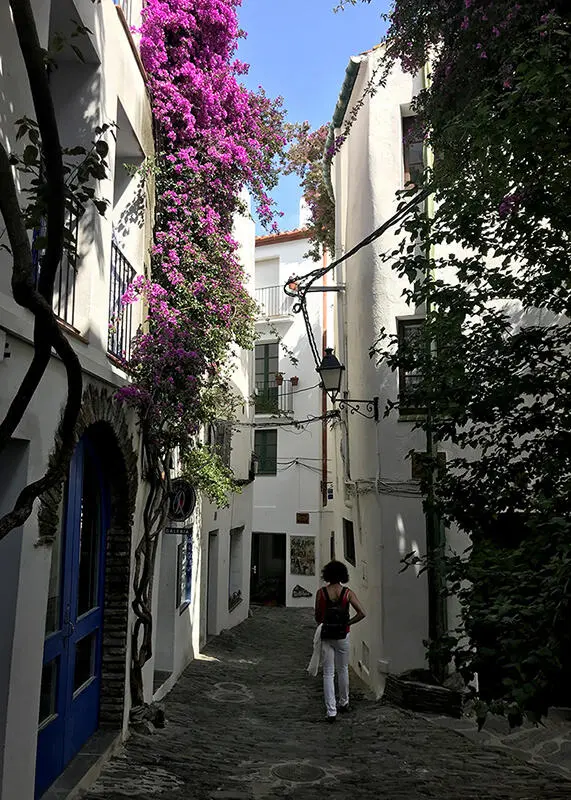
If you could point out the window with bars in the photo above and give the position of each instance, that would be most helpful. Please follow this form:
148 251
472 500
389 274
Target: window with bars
120 316
413 151
266 449
410 342
66 275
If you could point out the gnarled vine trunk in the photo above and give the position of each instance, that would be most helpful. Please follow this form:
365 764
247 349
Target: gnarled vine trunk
154 518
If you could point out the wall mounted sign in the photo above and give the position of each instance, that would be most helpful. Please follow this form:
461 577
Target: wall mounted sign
302 555
299 591
182 500
302 518
175 531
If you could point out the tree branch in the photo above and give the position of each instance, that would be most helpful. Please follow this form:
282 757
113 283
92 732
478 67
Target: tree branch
33 55
47 332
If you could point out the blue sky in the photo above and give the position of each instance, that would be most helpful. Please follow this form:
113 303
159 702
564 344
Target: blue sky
299 49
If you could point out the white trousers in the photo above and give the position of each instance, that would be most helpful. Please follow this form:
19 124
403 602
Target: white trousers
335 659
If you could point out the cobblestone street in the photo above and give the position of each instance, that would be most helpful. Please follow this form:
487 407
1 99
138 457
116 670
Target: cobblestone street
246 721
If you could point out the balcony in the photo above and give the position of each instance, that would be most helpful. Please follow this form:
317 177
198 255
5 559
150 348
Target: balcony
120 316
273 302
63 302
273 399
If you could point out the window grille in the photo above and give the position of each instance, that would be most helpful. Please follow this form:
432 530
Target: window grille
66 274
120 316
413 151
410 376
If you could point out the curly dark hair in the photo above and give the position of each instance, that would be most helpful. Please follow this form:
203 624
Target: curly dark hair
335 572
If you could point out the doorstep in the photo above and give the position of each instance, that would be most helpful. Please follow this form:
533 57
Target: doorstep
84 769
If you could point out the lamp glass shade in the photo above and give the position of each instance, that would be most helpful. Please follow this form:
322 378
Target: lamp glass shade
330 371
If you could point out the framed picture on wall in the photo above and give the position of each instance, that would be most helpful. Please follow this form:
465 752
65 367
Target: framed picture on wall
302 555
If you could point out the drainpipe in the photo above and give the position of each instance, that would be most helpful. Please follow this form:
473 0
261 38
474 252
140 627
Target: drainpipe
435 535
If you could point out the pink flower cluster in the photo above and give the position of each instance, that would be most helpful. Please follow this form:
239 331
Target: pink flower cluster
215 139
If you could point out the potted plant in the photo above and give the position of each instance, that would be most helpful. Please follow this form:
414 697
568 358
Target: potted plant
279 378
294 380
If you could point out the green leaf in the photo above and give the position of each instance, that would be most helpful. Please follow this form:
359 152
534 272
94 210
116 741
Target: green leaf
30 156
101 206
102 148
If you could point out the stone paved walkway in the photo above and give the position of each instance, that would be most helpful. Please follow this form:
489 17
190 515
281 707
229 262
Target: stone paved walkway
547 745
246 721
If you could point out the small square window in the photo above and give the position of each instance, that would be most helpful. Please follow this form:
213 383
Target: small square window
349 542
266 450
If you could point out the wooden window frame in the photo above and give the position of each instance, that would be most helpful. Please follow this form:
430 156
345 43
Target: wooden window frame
261 451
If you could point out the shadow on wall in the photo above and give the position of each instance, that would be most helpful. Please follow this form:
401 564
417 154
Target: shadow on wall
79 96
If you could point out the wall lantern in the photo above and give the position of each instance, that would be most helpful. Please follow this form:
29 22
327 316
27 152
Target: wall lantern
331 373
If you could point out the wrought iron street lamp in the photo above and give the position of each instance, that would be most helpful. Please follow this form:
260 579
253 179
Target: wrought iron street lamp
331 373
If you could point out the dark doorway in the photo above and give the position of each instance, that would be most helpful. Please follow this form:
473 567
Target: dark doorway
268 574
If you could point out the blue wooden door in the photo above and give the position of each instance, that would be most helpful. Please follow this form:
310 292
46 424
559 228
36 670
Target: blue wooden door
71 676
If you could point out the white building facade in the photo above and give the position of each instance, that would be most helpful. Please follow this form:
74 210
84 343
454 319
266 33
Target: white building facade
66 573
378 506
66 576
293 465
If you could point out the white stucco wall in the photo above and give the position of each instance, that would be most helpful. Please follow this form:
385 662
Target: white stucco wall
375 490
297 485
84 95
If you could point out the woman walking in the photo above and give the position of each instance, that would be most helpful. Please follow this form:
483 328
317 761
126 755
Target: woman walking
332 613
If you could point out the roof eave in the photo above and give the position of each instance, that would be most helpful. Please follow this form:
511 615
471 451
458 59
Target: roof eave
339 115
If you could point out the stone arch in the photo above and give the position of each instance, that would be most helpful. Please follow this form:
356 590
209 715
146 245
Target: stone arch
105 419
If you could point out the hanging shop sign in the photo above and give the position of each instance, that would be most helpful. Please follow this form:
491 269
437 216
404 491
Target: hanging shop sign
182 500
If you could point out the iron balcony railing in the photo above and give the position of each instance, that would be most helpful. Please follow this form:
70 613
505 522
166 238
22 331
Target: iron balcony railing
273 302
66 274
272 398
120 315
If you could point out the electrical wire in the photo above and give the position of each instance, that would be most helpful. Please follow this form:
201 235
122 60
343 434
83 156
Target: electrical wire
298 286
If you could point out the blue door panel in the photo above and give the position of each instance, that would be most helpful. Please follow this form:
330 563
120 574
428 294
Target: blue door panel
77 645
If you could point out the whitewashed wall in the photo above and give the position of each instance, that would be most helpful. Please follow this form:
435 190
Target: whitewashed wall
84 95
297 485
375 490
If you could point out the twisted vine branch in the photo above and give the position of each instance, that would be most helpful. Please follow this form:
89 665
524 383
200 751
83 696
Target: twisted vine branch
38 300
154 518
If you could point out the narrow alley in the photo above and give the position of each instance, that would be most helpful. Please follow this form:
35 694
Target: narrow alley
246 721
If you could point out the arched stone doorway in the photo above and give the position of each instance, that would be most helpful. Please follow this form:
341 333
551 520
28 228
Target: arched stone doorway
97 500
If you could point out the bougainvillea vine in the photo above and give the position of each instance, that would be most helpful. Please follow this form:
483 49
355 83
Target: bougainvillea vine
215 139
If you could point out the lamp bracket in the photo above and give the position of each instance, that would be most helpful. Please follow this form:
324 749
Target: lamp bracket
354 407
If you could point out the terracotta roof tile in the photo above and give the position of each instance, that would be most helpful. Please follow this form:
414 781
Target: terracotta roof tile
283 236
